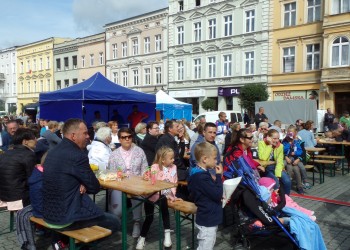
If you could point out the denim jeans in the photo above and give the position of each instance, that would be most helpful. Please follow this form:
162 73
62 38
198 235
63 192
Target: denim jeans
285 178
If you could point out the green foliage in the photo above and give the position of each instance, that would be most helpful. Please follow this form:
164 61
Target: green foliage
209 104
251 93
12 109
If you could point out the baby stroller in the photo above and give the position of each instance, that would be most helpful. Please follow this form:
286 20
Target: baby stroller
248 208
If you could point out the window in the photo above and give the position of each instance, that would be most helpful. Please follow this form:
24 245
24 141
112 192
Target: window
136 77
288 59
41 85
340 6
135 47
28 85
48 85
227 65
14 68
114 51
102 59
28 67
147 76
249 63
340 52
312 56
66 83
41 64
313 10
180 70
34 66
228 25
34 89
197 31
48 66
289 14
124 49
66 63
22 67
212 66
158 75
212 28
115 77
181 5
75 62
158 42
58 64
249 21
198 3
75 81
180 35
92 60
14 88
197 68
58 84
147 42
125 78
22 88
83 61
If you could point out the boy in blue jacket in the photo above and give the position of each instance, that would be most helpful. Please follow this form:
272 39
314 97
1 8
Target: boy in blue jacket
206 192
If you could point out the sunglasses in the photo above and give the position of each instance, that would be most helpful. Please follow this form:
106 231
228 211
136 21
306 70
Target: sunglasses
126 137
248 137
265 129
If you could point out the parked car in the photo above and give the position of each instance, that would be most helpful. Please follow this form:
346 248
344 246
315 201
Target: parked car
213 116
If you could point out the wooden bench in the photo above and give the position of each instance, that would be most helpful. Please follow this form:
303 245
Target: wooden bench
182 183
84 235
189 209
333 157
321 162
311 168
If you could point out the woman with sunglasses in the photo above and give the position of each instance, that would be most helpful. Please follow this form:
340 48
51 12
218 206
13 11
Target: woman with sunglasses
132 160
241 144
271 149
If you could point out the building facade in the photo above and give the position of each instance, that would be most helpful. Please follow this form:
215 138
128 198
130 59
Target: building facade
335 73
35 70
136 51
296 50
65 57
91 56
8 83
215 47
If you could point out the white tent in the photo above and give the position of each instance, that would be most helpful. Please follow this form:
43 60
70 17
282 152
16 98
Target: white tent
172 108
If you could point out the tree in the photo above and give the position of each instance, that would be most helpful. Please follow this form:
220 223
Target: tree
251 93
209 104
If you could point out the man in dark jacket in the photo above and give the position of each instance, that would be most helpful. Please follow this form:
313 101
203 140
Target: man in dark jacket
150 142
171 129
259 117
6 136
67 181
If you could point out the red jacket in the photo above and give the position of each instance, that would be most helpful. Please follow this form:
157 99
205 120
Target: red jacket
233 153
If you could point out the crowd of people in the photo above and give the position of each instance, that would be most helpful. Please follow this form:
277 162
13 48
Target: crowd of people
46 166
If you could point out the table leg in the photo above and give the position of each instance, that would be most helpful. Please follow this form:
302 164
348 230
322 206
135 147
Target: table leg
178 228
342 160
160 225
124 221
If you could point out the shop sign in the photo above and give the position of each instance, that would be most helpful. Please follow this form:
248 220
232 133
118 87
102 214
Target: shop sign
295 95
234 91
188 93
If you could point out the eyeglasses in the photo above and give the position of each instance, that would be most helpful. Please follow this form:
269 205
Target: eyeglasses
265 129
248 137
126 137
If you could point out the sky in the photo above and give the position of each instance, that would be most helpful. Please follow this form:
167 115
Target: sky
27 21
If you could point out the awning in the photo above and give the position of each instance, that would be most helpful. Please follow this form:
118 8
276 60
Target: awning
31 106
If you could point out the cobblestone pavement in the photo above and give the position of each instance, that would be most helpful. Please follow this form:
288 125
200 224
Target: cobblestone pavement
334 221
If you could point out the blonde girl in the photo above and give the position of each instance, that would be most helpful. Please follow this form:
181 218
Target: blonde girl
165 170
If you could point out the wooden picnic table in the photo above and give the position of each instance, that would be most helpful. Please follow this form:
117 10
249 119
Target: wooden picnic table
342 143
135 186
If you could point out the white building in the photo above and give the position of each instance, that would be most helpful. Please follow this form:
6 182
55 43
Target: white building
215 47
136 51
8 94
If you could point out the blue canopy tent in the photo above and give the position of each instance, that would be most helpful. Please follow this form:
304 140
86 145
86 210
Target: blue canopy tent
172 108
95 94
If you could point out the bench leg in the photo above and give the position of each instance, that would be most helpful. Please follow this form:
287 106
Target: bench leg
72 245
178 229
192 230
124 222
12 220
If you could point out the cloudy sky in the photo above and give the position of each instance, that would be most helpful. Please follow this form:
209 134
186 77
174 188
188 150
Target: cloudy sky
26 21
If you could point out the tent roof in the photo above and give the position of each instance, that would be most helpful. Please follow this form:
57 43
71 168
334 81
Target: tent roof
97 88
163 98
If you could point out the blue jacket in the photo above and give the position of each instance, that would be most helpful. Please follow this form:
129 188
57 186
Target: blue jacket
66 168
35 183
6 140
207 195
298 151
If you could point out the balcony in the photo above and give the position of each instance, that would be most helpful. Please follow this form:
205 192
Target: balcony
336 74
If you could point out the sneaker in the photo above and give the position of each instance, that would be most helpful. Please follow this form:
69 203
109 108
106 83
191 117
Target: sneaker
136 230
140 243
306 185
59 245
300 191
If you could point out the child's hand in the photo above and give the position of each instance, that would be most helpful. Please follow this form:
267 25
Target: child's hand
296 162
261 168
82 189
219 169
146 176
289 161
269 140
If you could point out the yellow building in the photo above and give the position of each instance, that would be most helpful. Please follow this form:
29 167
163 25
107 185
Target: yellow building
295 50
336 56
35 70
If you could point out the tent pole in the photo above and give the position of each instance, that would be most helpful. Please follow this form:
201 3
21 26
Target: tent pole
82 110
